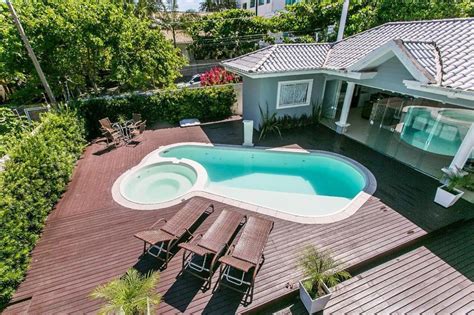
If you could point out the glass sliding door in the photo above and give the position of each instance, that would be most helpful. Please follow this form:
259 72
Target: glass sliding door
422 133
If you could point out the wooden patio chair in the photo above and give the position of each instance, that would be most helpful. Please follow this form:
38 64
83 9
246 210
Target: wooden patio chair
246 256
164 239
111 134
211 246
135 132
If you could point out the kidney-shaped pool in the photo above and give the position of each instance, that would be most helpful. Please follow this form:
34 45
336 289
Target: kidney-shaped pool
302 186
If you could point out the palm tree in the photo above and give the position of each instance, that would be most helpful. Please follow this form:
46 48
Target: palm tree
319 268
131 294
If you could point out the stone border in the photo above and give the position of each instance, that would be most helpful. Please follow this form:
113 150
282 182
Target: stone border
198 190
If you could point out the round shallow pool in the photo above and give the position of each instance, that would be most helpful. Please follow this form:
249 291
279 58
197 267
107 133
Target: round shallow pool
158 182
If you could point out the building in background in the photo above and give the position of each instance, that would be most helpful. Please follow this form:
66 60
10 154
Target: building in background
265 7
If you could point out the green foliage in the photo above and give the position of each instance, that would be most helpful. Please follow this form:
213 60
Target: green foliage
365 14
469 179
269 123
34 178
235 32
319 267
131 294
91 45
205 104
227 34
455 178
11 129
213 6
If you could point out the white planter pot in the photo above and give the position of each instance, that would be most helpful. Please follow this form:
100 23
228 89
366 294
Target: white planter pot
445 198
316 305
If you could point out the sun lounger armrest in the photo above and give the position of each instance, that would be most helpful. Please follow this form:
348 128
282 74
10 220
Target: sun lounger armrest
210 209
158 222
184 231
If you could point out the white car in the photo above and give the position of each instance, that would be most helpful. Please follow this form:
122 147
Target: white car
194 82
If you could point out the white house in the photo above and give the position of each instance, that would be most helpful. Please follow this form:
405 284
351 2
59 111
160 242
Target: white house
405 89
264 7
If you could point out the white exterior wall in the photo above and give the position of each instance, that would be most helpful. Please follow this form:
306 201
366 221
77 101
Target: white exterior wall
267 9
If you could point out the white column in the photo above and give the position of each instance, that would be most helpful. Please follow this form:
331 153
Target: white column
342 22
464 151
342 124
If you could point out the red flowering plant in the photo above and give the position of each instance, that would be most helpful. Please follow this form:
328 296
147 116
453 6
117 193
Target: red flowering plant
218 76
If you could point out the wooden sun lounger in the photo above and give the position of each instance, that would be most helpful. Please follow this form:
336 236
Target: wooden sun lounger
163 239
211 245
246 255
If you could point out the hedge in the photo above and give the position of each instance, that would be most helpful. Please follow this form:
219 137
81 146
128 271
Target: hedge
35 176
205 104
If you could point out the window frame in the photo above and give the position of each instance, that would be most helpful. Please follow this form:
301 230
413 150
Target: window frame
308 93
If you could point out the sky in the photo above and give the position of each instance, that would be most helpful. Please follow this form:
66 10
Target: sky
184 5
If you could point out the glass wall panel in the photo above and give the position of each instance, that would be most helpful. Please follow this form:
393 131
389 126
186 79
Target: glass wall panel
422 133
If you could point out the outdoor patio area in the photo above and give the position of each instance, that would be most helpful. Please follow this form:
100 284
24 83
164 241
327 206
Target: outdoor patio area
88 239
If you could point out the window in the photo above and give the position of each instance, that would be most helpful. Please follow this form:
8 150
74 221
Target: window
244 6
261 2
252 3
294 93
268 1
290 2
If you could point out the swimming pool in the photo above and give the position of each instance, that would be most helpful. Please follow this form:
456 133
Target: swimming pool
290 184
436 130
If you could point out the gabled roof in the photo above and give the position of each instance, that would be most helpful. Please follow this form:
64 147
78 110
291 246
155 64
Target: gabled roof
441 50
281 58
421 59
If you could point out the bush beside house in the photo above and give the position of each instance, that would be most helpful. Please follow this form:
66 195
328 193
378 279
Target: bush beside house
205 104
39 169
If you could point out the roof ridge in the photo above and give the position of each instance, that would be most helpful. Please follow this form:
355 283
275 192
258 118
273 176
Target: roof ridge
265 58
428 21
249 53
420 41
301 44
413 58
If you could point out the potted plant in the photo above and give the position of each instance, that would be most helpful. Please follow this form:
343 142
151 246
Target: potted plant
132 294
321 273
448 194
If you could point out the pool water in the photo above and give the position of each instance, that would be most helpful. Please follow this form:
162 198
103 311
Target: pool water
158 183
301 183
439 131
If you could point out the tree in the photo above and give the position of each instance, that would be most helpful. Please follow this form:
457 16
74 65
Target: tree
85 46
131 294
217 5
370 13
227 34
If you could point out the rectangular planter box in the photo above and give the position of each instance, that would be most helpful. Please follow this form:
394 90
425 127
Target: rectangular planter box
445 198
316 305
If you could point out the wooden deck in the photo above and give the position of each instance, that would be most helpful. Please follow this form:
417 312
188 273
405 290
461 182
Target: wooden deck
434 277
88 240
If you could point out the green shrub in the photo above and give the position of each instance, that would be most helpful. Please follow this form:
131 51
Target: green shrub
11 128
34 178
205 104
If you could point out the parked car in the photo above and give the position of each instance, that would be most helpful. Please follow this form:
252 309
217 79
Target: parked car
194 82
